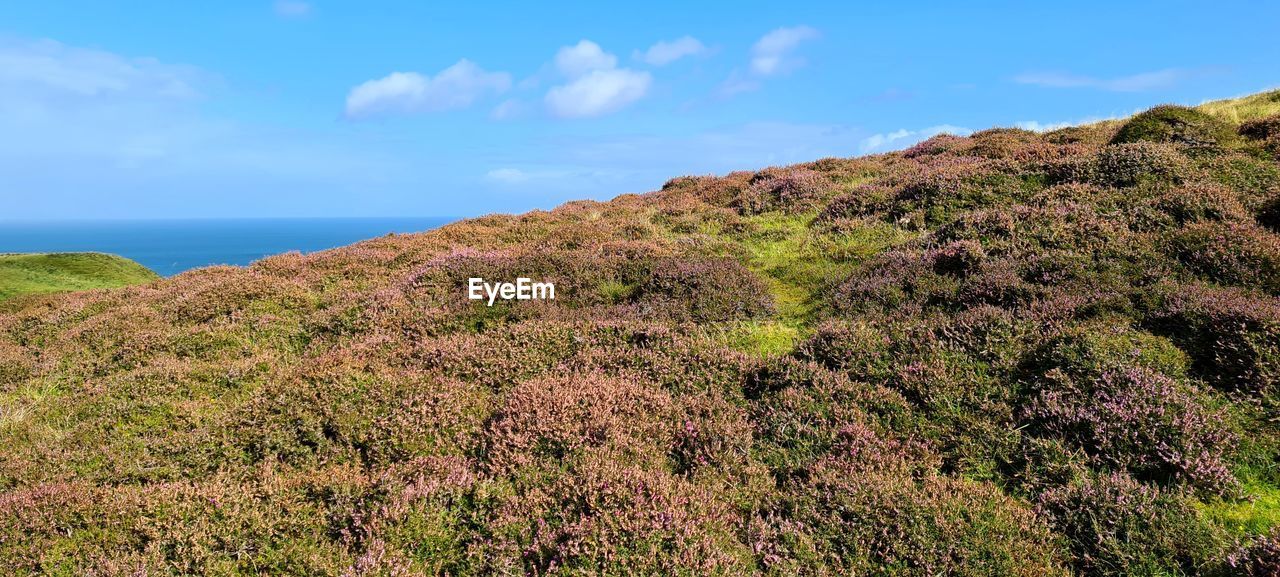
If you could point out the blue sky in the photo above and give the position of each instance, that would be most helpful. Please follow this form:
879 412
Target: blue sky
408 108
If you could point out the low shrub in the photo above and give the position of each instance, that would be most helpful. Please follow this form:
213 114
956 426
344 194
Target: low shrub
1117 526
555 420
1139 421
1261 558
609 516
1231 253
1132 163
706 290
1177 125
1231 336
1262 128
844 521
791 190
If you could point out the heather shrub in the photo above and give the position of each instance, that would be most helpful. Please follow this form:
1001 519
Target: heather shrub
1261 558
420 516
799 410
1196 202
557 419
852 521
1132 163
605 515
902 279
1115 525
1269 214
864 200
1177 125
222 292
937 145
1139 421
790 190
951 186
706 290
713 438
1255 181
717 191
1231 253
1231 336
15 365
1262 128
499 359
1088 349
1091 134
1009 143
842 170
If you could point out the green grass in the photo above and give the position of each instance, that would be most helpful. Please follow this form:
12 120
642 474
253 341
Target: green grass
22 274
1256 514
1237 110
798 262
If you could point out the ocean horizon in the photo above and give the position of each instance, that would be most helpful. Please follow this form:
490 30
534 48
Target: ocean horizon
172 246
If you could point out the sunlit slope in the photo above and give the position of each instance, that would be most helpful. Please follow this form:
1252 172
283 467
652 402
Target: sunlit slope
1010 353
44 273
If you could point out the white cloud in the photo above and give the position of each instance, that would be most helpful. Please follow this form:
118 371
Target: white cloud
772 54
56 69
1133 83
507 175
664 52
292 8
583 57
1035 126
599 92
457 86
508 109
903 138
596 86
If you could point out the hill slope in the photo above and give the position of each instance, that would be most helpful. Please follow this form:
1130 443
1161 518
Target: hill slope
44 273
1004 354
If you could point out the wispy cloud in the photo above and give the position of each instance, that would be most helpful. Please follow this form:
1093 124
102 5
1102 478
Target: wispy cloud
666 52
773 54
1037 126
292 8
455 87
596 86
133 131
508 109
903 138
55 68
1133 83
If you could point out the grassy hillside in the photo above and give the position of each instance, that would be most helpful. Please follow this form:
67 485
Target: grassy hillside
1005 354
45 273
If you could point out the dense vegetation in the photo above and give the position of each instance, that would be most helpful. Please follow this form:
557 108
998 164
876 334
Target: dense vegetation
45 273
1005 354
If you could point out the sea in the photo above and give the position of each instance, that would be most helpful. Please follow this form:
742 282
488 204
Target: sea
169 247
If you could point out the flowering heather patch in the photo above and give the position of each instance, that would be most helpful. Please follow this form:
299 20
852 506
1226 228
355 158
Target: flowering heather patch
1262 557
1231 336
1239 254
1131 163
1140 421
1118 526
1005 354
790 190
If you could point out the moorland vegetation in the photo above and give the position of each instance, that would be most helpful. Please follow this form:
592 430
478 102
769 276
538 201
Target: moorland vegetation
1011 353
